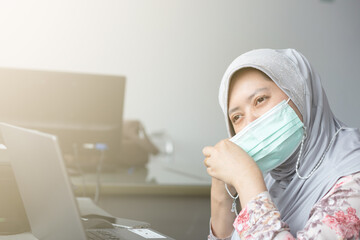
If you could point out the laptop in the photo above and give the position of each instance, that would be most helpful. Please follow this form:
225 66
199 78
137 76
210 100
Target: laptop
47 194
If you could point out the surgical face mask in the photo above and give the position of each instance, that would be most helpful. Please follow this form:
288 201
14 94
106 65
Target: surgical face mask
272 138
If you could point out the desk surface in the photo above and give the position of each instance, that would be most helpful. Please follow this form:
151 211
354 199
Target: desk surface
157 178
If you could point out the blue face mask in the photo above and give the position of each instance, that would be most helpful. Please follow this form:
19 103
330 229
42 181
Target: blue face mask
272 138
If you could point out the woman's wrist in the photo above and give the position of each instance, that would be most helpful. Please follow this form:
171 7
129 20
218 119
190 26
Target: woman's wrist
249 188
219 193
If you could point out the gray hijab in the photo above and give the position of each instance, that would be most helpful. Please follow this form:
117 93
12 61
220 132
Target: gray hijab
294 197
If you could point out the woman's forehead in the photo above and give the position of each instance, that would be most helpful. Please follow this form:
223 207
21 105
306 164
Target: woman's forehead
250 84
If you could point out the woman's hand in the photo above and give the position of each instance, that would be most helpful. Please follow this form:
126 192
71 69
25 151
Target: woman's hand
228 162
231 164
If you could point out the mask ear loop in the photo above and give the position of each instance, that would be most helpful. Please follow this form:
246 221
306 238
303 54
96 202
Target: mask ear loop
233 206
321 159
300 153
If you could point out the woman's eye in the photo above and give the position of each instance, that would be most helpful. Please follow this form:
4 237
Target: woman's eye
260 100
235 118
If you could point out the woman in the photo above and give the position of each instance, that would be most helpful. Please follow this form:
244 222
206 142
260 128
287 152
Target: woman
292 164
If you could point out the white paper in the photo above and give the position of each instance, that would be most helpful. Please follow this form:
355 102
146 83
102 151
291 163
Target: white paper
146 233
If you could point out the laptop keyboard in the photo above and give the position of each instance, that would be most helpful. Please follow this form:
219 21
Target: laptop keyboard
101 234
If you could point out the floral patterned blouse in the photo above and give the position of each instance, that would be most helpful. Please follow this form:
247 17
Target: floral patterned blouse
335 216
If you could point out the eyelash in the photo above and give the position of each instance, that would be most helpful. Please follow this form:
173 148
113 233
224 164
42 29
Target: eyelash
233 118
261 97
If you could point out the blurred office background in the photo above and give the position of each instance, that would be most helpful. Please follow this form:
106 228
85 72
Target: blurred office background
173 54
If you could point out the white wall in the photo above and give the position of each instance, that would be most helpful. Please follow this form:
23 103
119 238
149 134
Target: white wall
174 53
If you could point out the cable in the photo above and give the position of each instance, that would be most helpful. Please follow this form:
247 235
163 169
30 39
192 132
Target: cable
102 147
77 164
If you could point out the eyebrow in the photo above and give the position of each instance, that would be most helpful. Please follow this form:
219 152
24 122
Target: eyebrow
249 98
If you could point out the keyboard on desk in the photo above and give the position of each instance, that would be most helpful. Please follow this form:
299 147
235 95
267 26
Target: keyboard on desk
101 234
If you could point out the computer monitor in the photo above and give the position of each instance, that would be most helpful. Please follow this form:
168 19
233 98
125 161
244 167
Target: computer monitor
85 111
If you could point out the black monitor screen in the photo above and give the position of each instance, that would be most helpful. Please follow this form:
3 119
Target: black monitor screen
84 110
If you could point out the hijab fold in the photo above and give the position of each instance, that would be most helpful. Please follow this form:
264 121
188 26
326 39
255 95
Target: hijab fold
294 75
